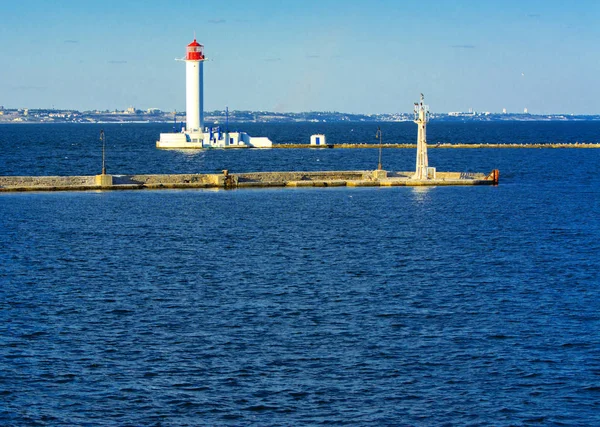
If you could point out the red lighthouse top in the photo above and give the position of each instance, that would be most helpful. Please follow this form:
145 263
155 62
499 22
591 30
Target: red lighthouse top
194 52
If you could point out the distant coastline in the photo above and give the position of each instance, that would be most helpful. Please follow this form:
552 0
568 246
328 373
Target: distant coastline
131 115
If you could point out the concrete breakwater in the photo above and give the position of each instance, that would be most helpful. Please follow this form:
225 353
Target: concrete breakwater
117 182
239 180
445 145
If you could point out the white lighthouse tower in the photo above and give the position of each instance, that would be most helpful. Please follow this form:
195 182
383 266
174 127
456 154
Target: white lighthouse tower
194 97
195 135
423 171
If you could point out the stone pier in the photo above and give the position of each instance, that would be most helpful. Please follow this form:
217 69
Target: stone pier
231 180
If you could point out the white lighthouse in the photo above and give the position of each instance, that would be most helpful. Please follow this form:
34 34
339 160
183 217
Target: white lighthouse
194 97
194 134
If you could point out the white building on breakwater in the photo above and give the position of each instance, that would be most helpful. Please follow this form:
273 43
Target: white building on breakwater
194 134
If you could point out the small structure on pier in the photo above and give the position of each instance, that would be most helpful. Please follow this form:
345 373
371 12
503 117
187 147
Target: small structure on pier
422 171
318 139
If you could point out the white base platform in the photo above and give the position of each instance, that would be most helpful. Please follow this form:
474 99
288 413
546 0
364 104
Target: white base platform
198 140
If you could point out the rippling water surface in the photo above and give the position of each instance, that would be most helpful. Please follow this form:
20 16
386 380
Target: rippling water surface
389 306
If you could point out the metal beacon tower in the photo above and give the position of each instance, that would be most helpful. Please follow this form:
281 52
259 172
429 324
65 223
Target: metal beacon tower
421 118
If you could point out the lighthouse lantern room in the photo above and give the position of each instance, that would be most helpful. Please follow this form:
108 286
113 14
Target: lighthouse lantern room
195 51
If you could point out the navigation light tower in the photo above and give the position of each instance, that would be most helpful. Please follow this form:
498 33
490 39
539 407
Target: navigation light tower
421 119
194 81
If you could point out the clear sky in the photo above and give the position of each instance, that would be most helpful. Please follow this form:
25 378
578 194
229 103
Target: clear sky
372 56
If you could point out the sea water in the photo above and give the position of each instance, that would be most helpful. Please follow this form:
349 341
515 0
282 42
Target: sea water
389 306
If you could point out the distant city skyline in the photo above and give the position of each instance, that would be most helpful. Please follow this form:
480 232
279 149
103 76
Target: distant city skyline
329 55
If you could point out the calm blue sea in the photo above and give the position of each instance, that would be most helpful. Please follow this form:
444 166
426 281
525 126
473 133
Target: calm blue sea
360 306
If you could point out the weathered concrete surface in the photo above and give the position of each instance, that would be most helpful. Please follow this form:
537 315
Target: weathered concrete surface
241 180
119 182
46 183
302 176
443 145
104 180
172 179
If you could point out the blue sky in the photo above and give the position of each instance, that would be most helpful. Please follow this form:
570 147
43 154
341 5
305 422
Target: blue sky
329 55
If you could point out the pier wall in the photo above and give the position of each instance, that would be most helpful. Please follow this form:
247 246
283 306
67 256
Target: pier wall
241 180
79 183
302 176
443 145
46 181
170 179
